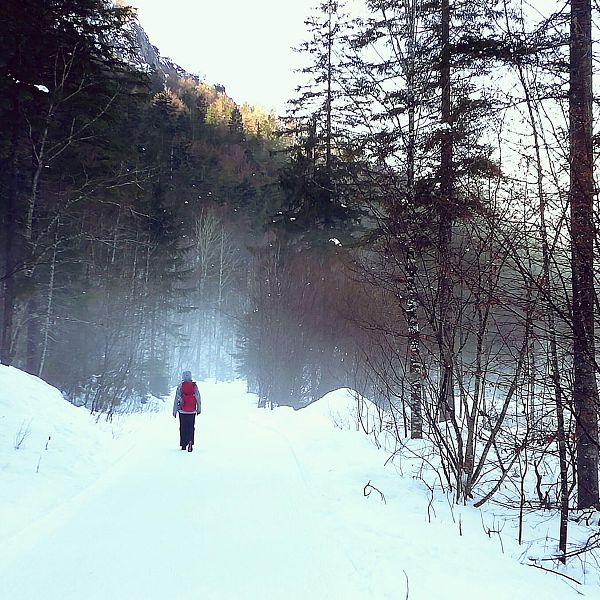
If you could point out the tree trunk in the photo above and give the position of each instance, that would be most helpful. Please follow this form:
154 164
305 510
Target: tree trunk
446 178
33 332
49 309
585 391
330 10
414 343
10 228
414 335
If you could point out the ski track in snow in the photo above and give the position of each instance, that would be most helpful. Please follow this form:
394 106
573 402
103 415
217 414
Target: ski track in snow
266 507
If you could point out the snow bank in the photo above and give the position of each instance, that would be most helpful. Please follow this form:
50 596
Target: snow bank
32 411
347 410
406 475
49 449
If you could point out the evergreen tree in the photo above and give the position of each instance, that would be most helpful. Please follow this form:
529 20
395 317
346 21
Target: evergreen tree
426 125
317 178
60 78
236 125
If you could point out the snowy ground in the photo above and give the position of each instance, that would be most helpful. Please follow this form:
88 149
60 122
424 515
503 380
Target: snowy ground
270 505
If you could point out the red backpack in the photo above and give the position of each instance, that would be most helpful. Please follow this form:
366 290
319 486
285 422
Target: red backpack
188 397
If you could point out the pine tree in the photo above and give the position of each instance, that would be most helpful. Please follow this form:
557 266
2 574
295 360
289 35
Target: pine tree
317 178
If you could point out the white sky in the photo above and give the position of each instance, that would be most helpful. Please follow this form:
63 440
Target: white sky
243 44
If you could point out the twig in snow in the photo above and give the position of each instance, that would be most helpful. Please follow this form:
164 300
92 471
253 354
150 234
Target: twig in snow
369 487
557 573
430 506
489 531
22 434
37 470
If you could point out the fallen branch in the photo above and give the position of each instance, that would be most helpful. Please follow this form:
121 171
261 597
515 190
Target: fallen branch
556 573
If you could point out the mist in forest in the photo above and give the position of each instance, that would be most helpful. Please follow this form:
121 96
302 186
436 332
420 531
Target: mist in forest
419 227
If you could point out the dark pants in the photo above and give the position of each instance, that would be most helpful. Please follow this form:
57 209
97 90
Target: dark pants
186 428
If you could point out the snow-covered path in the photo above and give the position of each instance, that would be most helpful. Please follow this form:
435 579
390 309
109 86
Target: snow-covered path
268 506
168 524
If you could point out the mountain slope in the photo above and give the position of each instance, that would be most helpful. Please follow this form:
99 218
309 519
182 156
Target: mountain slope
150 57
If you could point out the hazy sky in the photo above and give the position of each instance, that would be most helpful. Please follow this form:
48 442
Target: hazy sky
243 44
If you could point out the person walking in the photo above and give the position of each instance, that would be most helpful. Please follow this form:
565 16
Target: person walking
188 404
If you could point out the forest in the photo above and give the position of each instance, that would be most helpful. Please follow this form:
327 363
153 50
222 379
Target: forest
419 227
